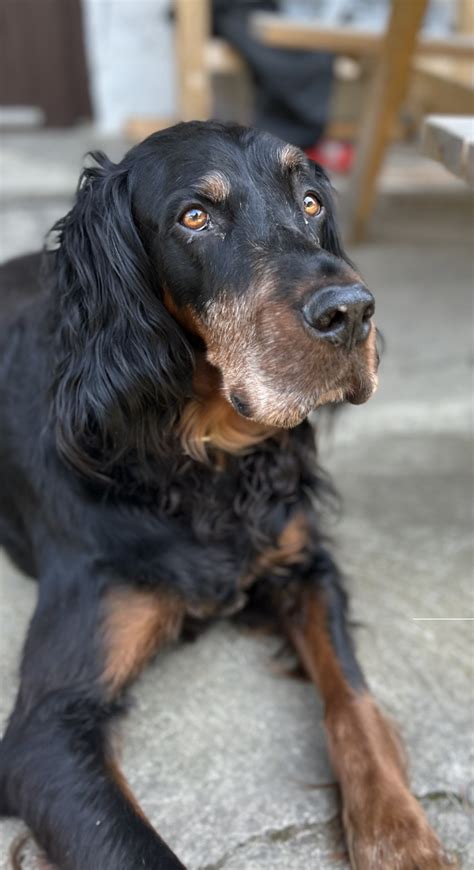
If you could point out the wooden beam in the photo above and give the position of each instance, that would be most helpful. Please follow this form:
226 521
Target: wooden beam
139 127
465 17
382 106
192 35
442 86
222 58
450 140
281 32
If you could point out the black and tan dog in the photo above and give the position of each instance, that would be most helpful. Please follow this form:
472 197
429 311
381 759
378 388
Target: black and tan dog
157 466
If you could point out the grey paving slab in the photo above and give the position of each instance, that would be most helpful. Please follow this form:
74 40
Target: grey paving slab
227 756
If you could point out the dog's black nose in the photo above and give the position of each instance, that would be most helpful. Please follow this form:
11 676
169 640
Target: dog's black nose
341 315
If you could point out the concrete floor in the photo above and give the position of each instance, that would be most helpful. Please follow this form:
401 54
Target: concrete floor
225 754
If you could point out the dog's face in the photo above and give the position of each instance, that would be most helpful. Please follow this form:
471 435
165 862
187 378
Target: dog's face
241 232
209 252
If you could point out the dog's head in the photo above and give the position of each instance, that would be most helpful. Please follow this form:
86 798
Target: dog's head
210 242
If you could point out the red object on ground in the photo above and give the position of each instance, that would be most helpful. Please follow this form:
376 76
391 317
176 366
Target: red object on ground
333 155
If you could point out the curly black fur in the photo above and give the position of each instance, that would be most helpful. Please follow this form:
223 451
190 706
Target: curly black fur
97 492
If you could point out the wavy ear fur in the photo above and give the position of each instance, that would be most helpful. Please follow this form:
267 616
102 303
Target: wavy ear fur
123 365
330 236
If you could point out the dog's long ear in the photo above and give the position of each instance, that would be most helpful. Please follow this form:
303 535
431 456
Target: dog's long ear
123 365
330 235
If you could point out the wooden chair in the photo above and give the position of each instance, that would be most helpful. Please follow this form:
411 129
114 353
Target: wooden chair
201 56
395 52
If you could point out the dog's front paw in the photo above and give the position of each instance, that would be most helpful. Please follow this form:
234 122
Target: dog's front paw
394 836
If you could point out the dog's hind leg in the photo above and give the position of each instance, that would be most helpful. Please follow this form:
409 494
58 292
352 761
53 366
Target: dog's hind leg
384 824
57 769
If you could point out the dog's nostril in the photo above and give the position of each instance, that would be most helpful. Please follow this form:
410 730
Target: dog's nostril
332 319
340 315
369 311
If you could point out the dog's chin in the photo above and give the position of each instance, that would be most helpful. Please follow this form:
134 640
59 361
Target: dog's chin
362 391
286 411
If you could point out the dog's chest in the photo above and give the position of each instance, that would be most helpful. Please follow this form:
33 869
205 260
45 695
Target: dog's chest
227 525
256 510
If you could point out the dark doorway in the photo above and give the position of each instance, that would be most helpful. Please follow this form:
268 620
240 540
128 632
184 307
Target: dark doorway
42 59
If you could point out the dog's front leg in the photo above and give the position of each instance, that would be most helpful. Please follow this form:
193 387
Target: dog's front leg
57 770
385 826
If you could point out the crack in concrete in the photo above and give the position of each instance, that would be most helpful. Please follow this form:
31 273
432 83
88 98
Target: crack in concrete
274 835
459 800
289 832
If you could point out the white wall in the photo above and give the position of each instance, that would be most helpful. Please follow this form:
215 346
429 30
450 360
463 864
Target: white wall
130 51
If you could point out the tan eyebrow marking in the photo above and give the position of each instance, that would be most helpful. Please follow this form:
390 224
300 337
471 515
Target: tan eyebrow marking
214 186
291 157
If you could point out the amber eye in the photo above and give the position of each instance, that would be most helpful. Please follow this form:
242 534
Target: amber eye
195 219
312 206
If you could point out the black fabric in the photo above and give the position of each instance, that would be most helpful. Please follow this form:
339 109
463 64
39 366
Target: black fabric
293 88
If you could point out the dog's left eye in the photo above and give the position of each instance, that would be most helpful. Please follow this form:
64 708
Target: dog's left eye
195 219
311 205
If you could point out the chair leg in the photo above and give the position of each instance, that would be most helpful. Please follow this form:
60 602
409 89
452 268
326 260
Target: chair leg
383 104
193 30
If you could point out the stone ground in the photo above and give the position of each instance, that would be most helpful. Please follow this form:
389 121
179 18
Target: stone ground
226 756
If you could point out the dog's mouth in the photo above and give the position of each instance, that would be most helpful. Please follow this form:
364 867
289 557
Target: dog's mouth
363 392
279 360
288 410
272 371
283 391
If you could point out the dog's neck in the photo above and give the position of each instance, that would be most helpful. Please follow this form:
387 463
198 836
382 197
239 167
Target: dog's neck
209 423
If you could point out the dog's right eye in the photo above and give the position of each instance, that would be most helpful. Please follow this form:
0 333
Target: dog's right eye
311 205
195 219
